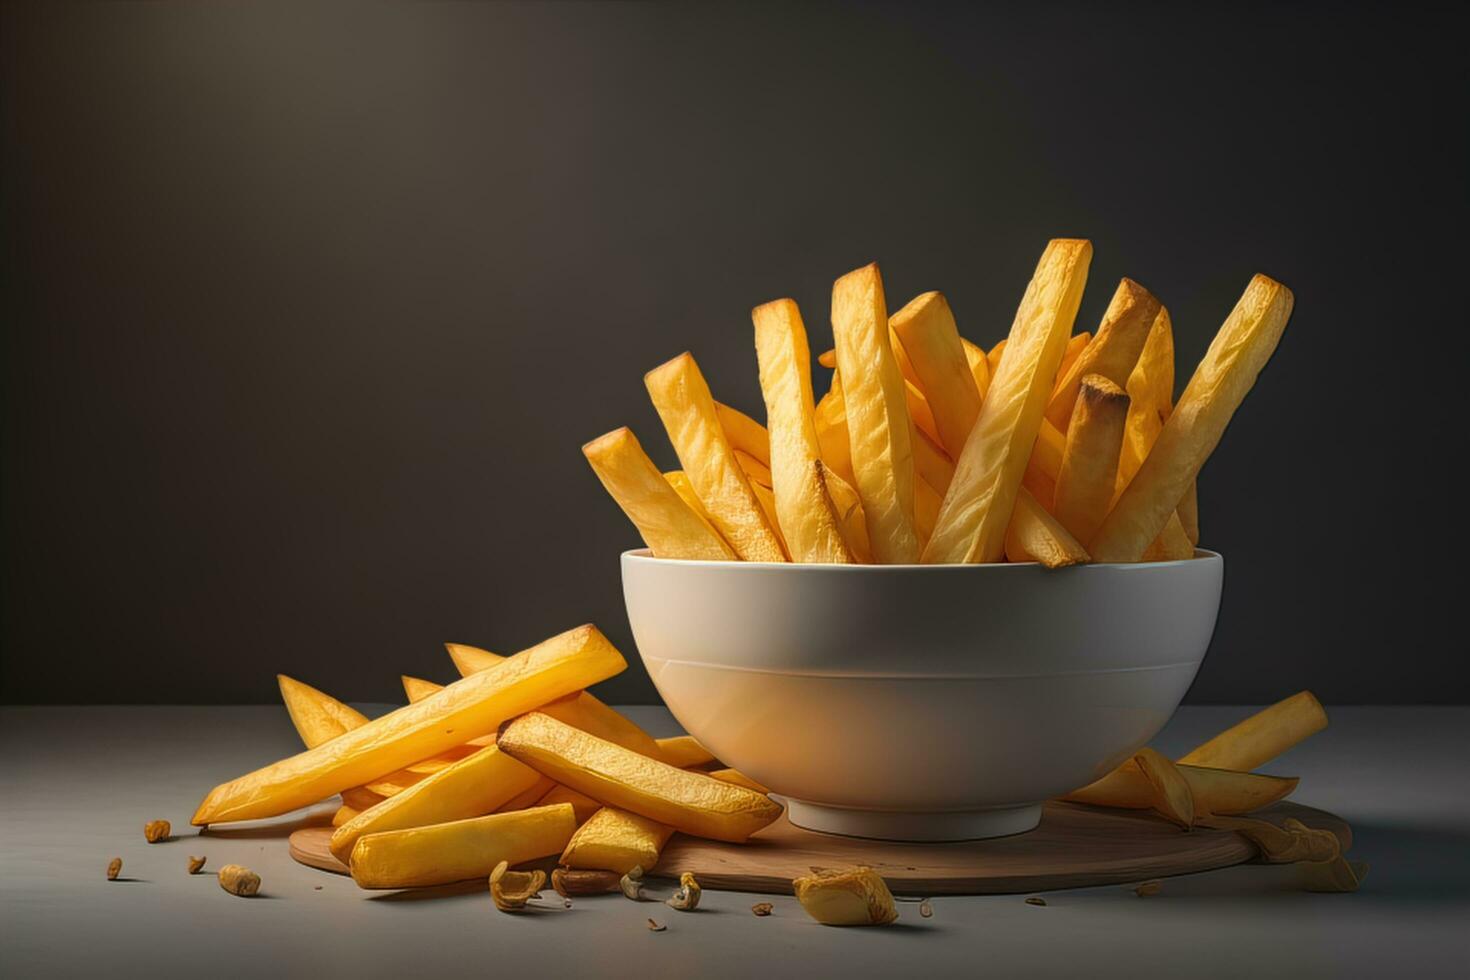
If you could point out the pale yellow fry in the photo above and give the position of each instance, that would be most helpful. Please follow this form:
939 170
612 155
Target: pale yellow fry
931 464
745 433
1173 799
689 801
828 358
755 470
804 511
1217 791
344 813
994 355
927 501
683 401
1113 353
979 368
920 414
739 779
767 499
849 511
1075 346
1150 397
664 521
416 688
1045 464
317 717
475 785
1034 535
528 797
1188 511
582 804
1220 383
1172 544
1084 487
683 752
446 852
616 840
465 709
878 425
977 509
1263 736
686 493
831 422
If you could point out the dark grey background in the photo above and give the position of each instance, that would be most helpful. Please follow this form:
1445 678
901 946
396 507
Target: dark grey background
307 309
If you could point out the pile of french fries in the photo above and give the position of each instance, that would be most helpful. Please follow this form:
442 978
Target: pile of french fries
1050 447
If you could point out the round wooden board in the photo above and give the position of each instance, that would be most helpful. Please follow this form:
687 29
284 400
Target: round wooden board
1075 846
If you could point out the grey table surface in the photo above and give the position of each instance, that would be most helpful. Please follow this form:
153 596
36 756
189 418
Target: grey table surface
77 784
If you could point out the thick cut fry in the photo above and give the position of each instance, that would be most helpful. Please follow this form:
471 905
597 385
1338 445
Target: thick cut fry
416 688
1150 397
360 798
1263 736
1113 353
1172 797
878 424
849 511
930 463
832 432
616 840
317 716
1172 544
920 414
1045 464
465 709
1217 791
767 499
1075 346
979 367
688 801
745 433
1229 370
851 897
1188 511
976 512
805 513
755 470
686 493
1090 458
739 779
927 501
529 797
683 401
994 356
683 752
582 804
446 852
1035 535
665 522
580 710
474 786
343 814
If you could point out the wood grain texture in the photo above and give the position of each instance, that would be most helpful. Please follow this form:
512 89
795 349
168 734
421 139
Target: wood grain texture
1075 847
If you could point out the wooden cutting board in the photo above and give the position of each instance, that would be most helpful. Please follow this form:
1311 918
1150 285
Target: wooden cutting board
1075 846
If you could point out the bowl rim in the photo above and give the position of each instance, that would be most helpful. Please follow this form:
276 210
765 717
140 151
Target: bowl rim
645 556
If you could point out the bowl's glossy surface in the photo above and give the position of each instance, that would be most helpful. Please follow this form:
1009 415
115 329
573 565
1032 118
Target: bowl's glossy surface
928 702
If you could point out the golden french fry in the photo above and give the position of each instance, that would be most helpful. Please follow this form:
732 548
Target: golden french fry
1090 457
927 502
1172 544
343 814
831 421
1263 736
1292 842
317 717
931 464
1188 511
1075 346
878 424
1173 799
1222 380
805 513
688 801
979 367
684 403
1035 535
1216 791
828 358
416 688
686 493
1113 353
582 804
852 897
474 786
1150 397
849 511
683 752
755 470
920 414
994 354
977 509
1045 464
616 840
739 779
359 798
745 433
665 522
465 709
767 500
529 797
441 853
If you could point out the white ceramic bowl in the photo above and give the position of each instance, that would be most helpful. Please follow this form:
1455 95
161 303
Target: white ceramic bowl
921 702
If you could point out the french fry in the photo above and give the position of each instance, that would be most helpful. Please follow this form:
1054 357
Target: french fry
849 511
665 522
416 688
1045 464
582 804
878 424
474 786
1188 511
683 752
994 354
767 500
976 511
1075 346
920 414
1292 842
739 779
1263 736
927 502
1035 535
528 797
686 493
828 359
745 433
343 814
359 798
805 513
683 401
931 464
317 717
757 471
688 801
1215 791
1172 544
1150 397
831 420
1229 370
1113 353
442 853
581 710
616 840
465 709
979 367
1084 487
1172 797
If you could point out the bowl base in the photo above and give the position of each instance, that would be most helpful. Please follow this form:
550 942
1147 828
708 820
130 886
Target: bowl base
906 825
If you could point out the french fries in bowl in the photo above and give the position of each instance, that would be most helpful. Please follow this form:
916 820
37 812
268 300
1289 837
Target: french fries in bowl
959 583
